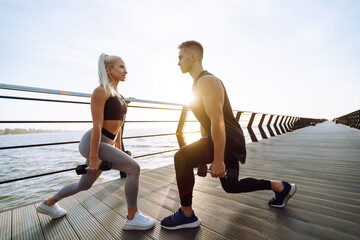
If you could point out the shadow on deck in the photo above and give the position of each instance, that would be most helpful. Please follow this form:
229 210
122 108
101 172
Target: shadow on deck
323 161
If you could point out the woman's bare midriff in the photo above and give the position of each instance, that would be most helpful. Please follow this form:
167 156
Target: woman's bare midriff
113 126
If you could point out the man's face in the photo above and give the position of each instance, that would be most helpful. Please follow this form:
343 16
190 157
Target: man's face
184 61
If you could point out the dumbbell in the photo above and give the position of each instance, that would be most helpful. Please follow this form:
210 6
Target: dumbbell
230 174
104 166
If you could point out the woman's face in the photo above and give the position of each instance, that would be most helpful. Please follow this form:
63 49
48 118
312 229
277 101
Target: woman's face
118 70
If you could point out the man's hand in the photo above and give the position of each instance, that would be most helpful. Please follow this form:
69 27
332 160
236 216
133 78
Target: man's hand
217 169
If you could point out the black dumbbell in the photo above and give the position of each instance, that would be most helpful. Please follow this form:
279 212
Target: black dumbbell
104 166
230 174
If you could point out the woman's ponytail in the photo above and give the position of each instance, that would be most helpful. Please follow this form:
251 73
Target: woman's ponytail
104 80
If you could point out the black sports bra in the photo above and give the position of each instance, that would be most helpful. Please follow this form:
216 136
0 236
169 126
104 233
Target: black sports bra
115 108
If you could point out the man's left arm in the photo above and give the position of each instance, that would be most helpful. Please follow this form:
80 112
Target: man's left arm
212 93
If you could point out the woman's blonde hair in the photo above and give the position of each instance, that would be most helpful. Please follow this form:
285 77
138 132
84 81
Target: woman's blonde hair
105 61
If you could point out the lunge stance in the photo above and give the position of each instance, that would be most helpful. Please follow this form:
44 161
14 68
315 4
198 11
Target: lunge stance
222 143
108 110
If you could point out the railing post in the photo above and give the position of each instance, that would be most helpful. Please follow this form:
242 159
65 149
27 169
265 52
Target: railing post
251 132
263 135
357 124
275 127
351 119
122 174
280 125
286 126
293 123
290 123
238 115
269 126
180 128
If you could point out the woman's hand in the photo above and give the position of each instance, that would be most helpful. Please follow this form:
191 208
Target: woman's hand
94 164
217 169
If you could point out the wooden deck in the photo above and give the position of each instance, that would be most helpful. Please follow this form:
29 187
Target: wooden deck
324 162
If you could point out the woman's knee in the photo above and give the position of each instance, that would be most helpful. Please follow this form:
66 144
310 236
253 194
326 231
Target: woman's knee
134 168
86 187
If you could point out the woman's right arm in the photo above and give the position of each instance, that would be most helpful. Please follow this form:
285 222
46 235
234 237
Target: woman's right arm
97 104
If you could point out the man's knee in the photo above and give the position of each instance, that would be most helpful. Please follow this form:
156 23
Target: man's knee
177 158
228 186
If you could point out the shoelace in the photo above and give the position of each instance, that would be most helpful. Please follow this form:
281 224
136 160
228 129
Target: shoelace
175 215
142 218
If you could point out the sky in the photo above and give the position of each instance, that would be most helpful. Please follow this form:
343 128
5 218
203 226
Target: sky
298 58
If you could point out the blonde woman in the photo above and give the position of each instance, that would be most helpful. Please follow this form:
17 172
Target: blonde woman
108 109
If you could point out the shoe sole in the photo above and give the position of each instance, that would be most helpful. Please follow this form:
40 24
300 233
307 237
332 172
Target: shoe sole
288 196
133 227
40 210
187 225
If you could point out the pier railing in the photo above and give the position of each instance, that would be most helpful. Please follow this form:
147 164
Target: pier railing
255 125
351 119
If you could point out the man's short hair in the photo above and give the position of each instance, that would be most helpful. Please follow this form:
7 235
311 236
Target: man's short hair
194 45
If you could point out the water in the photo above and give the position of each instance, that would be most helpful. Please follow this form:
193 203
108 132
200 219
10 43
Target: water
22 162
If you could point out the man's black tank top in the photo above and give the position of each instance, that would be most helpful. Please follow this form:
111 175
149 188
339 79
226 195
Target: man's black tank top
235 141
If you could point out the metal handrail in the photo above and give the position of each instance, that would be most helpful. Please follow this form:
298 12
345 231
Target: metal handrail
72 169
36 121
351 119
42 90
74 94
289 120
72 142
78 94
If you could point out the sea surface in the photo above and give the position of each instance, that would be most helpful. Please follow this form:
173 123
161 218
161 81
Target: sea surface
21 162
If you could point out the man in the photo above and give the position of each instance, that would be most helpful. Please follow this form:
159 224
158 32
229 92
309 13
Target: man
222 143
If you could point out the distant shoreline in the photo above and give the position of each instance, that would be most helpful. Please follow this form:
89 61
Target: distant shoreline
8 131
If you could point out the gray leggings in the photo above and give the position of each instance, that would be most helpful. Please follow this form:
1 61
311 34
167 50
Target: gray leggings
120 161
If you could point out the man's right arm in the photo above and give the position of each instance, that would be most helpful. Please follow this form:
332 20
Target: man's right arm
203 132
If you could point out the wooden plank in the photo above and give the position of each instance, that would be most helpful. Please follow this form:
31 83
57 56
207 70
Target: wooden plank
59 228
158 194
113 195
84 224
221 210
323 161
107 217
5 225
341 212
25 224
253 199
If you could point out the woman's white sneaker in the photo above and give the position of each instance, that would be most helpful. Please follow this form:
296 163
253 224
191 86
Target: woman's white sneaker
54 211
139 222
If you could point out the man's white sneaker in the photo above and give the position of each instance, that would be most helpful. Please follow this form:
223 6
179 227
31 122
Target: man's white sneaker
139 222
54 211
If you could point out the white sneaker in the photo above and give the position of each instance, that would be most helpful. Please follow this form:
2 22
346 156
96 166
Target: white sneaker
139 222
54 211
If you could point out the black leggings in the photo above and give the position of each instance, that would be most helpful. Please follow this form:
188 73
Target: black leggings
202 152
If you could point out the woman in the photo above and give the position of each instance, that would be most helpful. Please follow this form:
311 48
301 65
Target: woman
108 109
